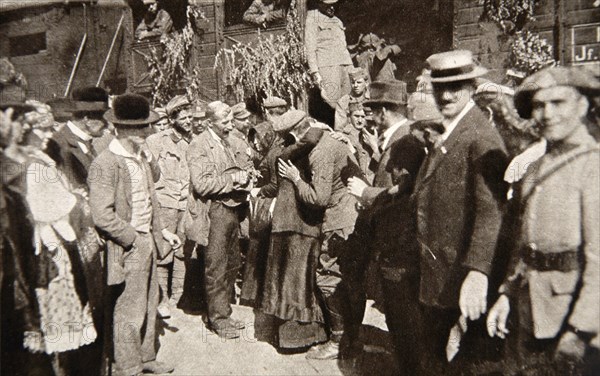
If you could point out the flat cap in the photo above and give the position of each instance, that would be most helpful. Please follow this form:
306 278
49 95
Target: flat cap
240 112
288 121
581 79
271 102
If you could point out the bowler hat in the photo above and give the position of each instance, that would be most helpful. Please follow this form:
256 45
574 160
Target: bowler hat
288 121
581 79
387 92
89 99
131 109
454 66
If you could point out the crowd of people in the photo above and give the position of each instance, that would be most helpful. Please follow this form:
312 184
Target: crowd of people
472 207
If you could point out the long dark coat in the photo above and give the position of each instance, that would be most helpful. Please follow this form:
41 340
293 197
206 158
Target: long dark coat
459 195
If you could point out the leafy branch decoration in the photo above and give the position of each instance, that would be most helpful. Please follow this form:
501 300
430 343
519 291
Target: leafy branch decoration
273 65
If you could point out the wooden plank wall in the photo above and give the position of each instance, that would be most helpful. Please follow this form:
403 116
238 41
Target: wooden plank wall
554 20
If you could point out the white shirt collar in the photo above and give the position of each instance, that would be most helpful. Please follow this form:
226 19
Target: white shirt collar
78 132
117 148
450 127
390 131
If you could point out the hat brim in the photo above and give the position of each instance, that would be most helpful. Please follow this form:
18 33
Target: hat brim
372 102
476 72
523 98
110 117
17 107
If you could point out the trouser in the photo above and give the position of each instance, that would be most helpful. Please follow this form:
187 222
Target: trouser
222 260
135 309
330 283
172 267
403 318
335 83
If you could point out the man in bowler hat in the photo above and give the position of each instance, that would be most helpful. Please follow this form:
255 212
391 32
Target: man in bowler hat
124 208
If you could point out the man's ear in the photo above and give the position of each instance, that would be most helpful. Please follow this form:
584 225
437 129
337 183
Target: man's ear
583 106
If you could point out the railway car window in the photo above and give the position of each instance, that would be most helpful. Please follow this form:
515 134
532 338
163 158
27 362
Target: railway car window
257 12
30 44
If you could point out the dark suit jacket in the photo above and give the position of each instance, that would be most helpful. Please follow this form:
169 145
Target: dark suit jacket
110 203
459 194
383 174
69 157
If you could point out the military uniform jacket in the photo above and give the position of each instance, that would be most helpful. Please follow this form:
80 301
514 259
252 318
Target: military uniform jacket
325 41
331 164
207 161
560 196
459 194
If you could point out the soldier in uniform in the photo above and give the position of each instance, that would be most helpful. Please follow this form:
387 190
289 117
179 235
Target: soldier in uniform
554 276
359 93
326 52
156 22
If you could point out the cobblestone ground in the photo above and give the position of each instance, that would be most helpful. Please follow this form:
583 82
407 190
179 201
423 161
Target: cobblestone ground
186 344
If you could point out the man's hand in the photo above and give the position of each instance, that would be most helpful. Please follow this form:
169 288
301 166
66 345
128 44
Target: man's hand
496 319
571 347
317 79
288 171
171 238
254 192
342 137
240 177
371 139
356 186
473 295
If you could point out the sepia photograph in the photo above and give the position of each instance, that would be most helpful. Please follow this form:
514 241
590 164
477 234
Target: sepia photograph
300 187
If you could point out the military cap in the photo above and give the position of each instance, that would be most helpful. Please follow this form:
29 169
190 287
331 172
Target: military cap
581 79
272 102
454 66
240 112
288 121
177 103
355 106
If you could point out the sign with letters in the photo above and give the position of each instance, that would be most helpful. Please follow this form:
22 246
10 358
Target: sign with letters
585 40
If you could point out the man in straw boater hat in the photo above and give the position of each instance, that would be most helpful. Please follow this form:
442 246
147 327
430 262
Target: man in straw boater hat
124 207
220 179
554 276
459 193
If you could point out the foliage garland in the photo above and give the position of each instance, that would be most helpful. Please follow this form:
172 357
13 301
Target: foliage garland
168 65
274 65
511 15
530 53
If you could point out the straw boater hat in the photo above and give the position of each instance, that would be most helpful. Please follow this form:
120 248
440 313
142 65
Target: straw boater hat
454 66
582 80
387 92
131 110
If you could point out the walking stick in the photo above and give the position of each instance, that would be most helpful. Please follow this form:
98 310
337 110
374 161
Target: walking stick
112 45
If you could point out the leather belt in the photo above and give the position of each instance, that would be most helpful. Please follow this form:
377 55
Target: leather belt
565 261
